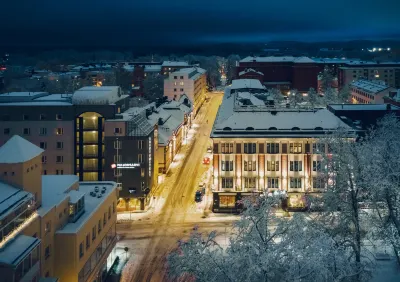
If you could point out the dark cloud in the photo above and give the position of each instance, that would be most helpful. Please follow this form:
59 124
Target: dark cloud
143 22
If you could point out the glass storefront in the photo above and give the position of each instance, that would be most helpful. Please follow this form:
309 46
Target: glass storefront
227 201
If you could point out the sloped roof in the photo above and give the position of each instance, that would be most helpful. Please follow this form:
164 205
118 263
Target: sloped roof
18 150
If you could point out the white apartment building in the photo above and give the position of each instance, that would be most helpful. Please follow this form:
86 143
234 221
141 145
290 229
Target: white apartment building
188 81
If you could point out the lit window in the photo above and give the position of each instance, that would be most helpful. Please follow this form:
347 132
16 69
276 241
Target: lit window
142 172
140 144
140 158
60 131
181 83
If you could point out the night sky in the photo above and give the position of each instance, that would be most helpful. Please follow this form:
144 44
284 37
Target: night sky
162 22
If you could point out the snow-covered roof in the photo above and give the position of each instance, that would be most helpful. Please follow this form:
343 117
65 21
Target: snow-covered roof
18 150
246 83
262 121
11 198
129 68
18 249
250 70
362 107
55 98
174 64
370 86
92 204
250 97
152 68
92 95
22 94
272 59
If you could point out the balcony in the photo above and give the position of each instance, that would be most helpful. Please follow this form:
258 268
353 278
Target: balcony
12 228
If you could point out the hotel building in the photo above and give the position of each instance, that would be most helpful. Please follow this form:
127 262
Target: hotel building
257 147
52 225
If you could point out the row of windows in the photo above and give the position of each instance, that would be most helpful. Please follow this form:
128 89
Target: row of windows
180 83
271 166
27 117
272 148
59 145
181 89
176 77
42 131
273 182
101 224
118 144
364 94
12 173
118 159
59 159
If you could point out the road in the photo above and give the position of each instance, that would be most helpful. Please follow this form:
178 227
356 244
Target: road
151 238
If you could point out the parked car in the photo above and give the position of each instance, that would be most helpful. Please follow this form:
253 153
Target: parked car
198 196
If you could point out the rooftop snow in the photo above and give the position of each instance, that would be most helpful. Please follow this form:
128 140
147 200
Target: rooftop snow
174 64
92 204
22 94
18 249
11 198
249 70
55 98
152 68
263 120
248 96
370 86
246 83
18 150
272 59
92 95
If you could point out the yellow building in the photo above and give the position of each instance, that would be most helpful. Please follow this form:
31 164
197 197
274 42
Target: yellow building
262 148
52 225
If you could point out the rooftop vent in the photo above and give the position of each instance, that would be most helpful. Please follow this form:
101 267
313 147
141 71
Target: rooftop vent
99 195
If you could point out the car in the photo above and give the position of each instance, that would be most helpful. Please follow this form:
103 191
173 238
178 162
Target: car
209 149
198 196
206 160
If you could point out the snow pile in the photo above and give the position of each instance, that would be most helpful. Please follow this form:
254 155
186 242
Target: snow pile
92 95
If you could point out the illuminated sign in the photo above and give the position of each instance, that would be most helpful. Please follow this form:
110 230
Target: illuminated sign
127 165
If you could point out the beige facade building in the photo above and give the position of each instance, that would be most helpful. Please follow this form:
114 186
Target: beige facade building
369 91
261 148
52 225
189 81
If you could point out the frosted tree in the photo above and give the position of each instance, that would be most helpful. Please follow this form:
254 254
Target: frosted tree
110 78
277 95
330 96
295 98
346 187
312 97
344 94
264 247
382 173
326 78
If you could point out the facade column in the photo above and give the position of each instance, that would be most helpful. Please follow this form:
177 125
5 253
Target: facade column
261 172
238 173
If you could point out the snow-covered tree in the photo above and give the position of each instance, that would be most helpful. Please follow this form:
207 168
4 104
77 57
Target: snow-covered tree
382 173
277 95
330 96
264 247
110 79
312 97
344 94
342 170
295 98
326 78
231 67
153 87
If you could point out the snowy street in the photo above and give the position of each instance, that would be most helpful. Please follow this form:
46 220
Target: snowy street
173 213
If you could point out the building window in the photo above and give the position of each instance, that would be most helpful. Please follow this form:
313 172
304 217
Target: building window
227 148
105 219
296 166
60 145
81 250
142 186
99 226
227 165
59 117
318 183
42 117
117 144
94 233
47 252
250 182
43 131
250 165
44 159
142 172
87 241
44 172
117 172
272 148
295 182
227 182
27 131
181 77
140 158
273 182
140 144
316 166
43 145
181 89
272 165
295 148
59 159
47 228
118 130
174 89
249 148
181 83
117 159
60 131
175 77
6 131
25 117
318 148
109 212
60 172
